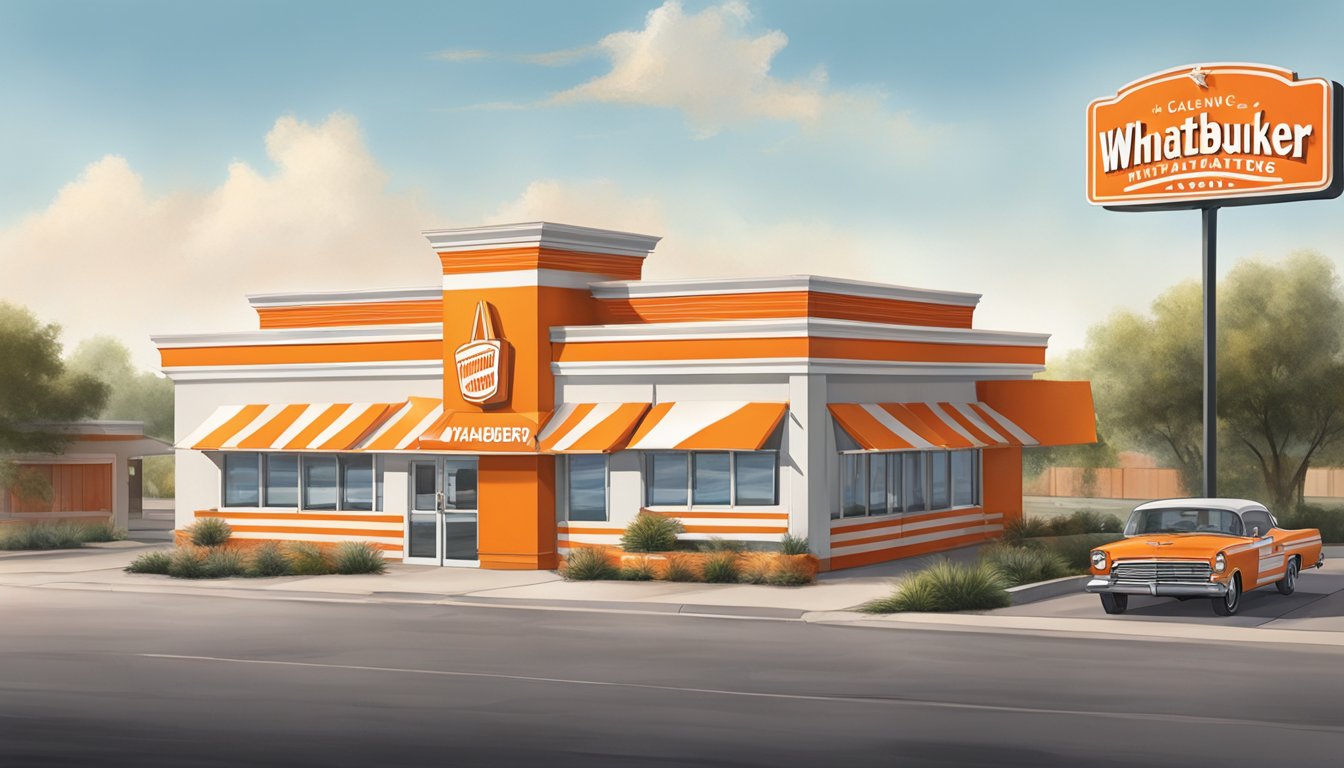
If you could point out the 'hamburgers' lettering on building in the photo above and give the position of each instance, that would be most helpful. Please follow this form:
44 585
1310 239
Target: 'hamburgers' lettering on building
1217 132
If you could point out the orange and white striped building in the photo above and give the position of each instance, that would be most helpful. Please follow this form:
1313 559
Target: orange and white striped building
541 395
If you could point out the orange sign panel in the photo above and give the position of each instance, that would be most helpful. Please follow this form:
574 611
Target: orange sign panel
1213 135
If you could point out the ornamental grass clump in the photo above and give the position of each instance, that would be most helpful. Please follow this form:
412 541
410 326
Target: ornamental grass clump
209 532
945 586
588 564
637 569
268 559
1084 521
156 562
1017 531
187 563
721 568
794 545
757 567
358 557
1025 565
64 534
791 572
681 567
221 563
651 533
308 559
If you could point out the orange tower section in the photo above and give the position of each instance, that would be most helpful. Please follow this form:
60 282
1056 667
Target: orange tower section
524 279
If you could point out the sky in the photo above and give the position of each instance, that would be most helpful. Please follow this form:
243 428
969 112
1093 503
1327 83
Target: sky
161 160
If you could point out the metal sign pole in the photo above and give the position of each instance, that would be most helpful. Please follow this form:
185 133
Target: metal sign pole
1209 218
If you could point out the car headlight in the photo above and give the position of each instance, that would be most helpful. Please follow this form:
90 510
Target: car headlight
1099 560
1219 563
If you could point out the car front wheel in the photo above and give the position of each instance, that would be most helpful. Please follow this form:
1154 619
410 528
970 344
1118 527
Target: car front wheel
1288 583
1114 604
1228 604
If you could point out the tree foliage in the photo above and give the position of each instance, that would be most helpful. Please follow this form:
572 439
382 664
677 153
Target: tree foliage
36 387
132 395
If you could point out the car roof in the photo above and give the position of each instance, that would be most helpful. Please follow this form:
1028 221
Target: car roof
1233 505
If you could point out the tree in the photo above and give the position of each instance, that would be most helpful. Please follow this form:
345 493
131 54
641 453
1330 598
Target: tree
35 390
133 395
1280 364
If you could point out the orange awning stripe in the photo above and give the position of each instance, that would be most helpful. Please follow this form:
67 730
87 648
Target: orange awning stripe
708 426
591 427
926 426
402 428
286 427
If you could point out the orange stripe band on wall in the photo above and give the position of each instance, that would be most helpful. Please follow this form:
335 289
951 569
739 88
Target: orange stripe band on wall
517 259
814 347
365 313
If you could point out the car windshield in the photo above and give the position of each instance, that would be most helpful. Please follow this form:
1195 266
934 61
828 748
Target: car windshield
1143 521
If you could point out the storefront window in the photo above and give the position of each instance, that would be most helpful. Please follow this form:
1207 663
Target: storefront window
964 478
668 479
877 484
755 476
710 481
320 482
357 483
282 480
586 483
907 481
912 477
459 482
242 479
939 497
897 501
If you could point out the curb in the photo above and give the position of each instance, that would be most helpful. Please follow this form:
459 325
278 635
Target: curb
1042 590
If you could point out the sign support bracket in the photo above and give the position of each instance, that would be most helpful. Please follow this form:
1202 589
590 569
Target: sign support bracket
1209 221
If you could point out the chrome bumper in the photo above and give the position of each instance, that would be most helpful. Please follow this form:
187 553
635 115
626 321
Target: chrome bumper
1157 589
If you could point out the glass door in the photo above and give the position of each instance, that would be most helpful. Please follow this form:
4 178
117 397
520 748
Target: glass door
441 525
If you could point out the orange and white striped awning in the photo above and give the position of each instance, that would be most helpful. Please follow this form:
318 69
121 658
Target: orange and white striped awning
292 427
402 429
590 427
708 426
927 426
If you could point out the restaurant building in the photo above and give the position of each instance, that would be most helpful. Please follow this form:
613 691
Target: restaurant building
537 395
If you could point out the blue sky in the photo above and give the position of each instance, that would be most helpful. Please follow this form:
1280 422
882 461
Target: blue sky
248 147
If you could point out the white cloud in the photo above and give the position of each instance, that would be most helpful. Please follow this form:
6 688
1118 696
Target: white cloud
455 54
107 256
709 67
598 203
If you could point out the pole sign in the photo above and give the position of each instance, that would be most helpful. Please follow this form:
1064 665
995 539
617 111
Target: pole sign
1215 135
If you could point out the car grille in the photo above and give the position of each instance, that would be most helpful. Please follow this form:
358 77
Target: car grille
1178 571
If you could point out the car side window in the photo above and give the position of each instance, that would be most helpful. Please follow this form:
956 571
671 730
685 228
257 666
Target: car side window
1257 523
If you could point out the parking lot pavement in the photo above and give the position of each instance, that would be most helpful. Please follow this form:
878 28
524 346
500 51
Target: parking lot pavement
1317 604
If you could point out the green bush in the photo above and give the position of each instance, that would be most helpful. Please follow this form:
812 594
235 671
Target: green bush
945 586
639 569
209 532
1024 528
588 564
794 545
1330 521
716 544
157 562
57 535
187 563
358 557
268 559
221 563
1025 565
308 559
681 568
651 533
721 568
1083 521
1077 549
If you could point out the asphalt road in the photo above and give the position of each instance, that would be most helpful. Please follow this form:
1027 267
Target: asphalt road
106 678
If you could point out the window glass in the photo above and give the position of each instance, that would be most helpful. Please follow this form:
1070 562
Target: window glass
963 478
423 488
459 482
282 480
319 482
853 472
755 478
938 485
242 480
894 482
587 486
710 481
357 483
913 479
669 479
1257 523
1184 521
877 484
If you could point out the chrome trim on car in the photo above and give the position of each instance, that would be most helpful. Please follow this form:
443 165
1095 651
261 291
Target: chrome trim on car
1161 571
1155 589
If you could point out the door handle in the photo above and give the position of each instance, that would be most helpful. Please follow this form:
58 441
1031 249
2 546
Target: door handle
440 502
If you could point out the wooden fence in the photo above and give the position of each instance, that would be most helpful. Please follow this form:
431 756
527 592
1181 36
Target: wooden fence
1150 483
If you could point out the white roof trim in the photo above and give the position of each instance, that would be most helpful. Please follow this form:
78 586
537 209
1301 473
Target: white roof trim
340 335
797 365
639 289
565 237
358 296
789 327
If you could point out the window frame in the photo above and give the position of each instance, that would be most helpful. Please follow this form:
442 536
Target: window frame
262 457
898 493
565 474
646 464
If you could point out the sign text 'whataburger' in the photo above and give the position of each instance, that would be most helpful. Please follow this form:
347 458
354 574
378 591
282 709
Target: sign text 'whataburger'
1217 134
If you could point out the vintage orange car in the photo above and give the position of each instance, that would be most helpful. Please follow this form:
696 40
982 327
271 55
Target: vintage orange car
1214 548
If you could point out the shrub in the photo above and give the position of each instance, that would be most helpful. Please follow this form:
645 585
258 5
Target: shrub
681 568
588 564
794 545
157 561
716 544
221 563
637 569
358 557
1329 521
268 559
791 572
187 563
721 568
1076 550
945 586
651 533
209 532
1024 528
58 535
103 531
757 568
1025 565
1084 521
308 559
